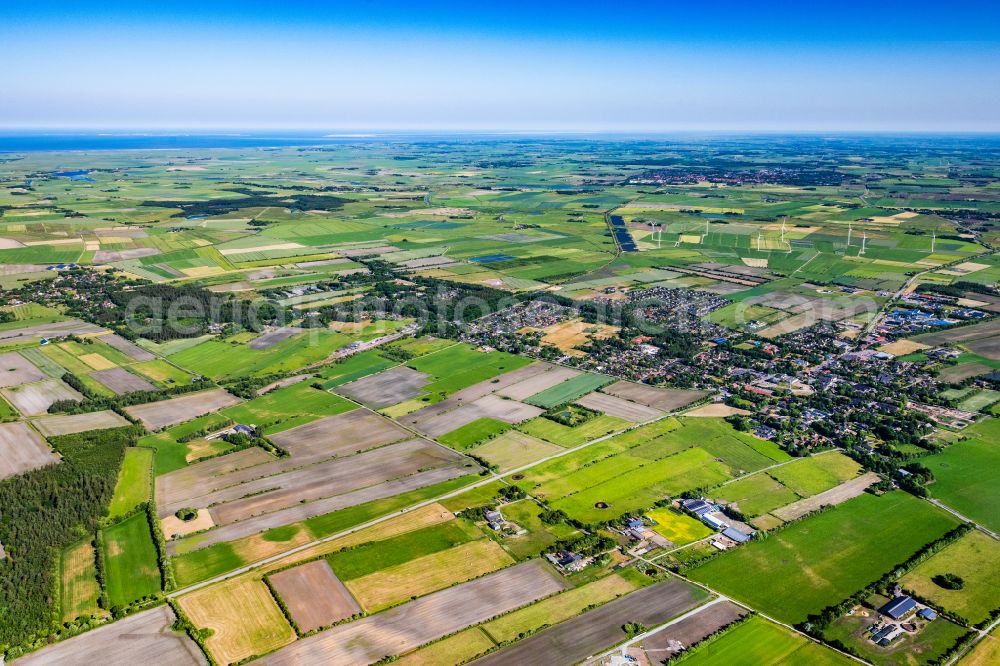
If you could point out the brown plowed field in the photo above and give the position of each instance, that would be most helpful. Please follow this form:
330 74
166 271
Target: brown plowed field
34 399
16 370
350 432
143 638
126 347
691 630
406 627
67 425
532 385
301 512
156 415
21 449
385 388
615 406
120 381
574 640
314 595
317 481
178 484
667 400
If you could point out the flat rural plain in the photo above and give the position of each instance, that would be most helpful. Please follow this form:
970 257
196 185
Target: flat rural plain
613 327
780 586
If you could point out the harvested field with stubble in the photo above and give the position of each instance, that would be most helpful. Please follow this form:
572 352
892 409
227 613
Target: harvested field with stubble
574 640
667 400
413 624
314 595
120 380
156 415
428 574
80 589
143 638
21 449
691 630
51 426
34 399
386 388
243 616
619 407
16 370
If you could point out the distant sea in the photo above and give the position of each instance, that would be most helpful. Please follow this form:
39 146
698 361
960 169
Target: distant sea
53 140
31 141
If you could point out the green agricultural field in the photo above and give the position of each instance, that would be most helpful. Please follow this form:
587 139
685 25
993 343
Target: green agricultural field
979 400
134 481
162 373
797 571
473 433
221 359
288 407
567 436
678 528
171 454
758 641
619 490
354 367
459 366
540 536
569 390
755 495
130 561
368 558
813 475
976 559
965 477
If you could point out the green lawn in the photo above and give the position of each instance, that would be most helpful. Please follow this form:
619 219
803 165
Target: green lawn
134 481
130 561
827 557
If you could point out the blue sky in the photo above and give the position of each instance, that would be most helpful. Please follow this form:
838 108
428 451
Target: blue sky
581 66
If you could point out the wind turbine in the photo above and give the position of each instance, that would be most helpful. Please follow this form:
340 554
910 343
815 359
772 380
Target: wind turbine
864 238
759 238
783 229
849 229
933 239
